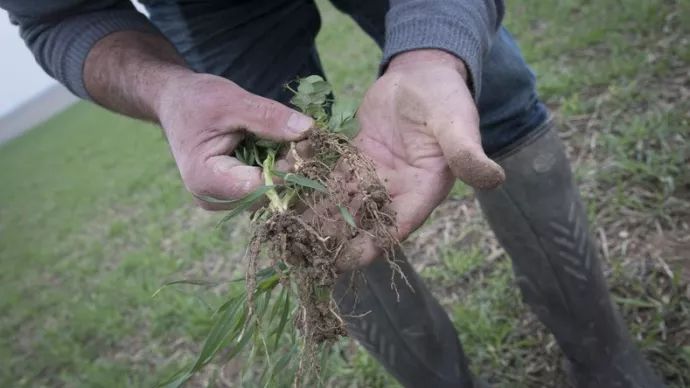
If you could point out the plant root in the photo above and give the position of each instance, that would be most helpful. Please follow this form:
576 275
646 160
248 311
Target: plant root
312 245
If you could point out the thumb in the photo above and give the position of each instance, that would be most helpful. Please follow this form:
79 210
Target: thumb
459 138
272 120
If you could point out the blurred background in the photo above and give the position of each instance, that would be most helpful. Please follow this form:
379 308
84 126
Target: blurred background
94 217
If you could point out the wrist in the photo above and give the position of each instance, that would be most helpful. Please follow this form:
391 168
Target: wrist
171 82
415 58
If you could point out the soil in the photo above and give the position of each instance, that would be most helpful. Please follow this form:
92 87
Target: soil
315 243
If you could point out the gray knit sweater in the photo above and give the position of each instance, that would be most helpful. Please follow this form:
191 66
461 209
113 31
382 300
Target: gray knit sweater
60 33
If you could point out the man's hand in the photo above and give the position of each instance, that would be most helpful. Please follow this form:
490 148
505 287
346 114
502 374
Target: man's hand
420 126
205 117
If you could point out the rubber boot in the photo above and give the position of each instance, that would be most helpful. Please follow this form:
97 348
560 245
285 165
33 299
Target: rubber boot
539 219
407 330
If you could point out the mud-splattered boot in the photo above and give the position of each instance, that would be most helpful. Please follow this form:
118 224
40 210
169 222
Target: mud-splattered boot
412 337
539 218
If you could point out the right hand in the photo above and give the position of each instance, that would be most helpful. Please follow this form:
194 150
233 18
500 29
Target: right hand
204 118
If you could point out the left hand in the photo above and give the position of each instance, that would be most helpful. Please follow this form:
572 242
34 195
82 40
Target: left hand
420 126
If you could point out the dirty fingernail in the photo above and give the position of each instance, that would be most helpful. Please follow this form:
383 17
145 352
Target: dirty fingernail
299 123
479 172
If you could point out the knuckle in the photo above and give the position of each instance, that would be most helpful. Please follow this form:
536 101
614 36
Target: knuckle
266 112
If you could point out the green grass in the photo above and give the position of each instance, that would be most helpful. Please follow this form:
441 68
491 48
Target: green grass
94 218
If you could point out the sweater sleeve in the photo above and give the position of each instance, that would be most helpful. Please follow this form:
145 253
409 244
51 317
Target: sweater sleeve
465 28
60 33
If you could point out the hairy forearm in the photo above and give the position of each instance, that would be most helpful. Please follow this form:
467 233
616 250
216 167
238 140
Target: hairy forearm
128 71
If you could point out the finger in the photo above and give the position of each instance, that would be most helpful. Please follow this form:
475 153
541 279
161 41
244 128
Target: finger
358 253
362 250
457 131
222 178
272 120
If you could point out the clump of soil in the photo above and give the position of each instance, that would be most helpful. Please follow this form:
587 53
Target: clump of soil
314 243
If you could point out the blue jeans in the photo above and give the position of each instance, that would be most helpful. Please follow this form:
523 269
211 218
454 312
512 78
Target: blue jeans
263 44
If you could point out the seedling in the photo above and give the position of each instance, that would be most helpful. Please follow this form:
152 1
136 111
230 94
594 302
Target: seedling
307 226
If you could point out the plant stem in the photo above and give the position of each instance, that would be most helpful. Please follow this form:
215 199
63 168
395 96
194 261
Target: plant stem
289 197
277 205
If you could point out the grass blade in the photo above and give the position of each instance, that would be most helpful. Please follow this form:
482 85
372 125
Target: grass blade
246 201
277 304
301 181
175 381
194 282
264 273
268 284
208 198
283 321
348 217
219 332
226 305
284 361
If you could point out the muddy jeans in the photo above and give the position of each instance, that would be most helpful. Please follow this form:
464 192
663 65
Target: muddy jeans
263 44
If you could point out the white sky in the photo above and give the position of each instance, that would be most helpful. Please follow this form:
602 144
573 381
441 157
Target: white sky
20 76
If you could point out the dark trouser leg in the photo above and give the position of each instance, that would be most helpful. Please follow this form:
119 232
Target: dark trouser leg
413 336
260 45
540 220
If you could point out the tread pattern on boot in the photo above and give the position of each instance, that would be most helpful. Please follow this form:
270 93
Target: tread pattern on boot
572 242
407 331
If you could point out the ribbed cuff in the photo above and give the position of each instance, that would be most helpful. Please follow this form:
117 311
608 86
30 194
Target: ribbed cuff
447 26
80 33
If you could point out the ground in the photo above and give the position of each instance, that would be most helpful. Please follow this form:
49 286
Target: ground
94 218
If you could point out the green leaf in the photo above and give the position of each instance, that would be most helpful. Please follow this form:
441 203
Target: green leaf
255 193
229 303
263 273
284 360
175 381
265 143
193 282
311 93
316 111
321 88
277 304
268 284
257 214
219 332
283 321
301 101
312 79
239 155
256 155
341 113
348 217
349 128
245 202
300 180
212 380
266 301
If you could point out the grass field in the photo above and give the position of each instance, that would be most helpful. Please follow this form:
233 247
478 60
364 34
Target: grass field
94 218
